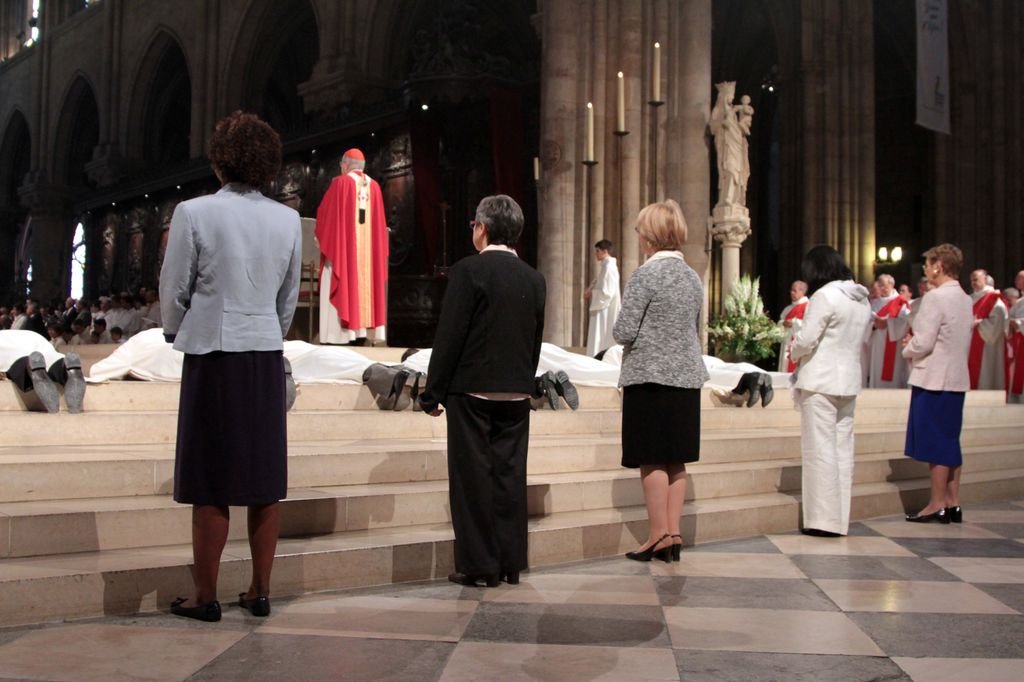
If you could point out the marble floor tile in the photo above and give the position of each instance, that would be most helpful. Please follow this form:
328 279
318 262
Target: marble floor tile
619 565
870 567
953 635
983 570
902 529
578 589
910 596
770 631
596 625
845 546
724 565
373 616
758 545
753 593
1011 594
433 589
1008 515
262 657
109 652
958 547
1005 530
473 661
959 669
741 666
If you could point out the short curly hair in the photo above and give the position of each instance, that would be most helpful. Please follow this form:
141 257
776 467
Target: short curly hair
244 148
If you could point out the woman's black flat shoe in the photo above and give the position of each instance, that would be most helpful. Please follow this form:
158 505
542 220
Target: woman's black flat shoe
665 553
209 612
257 606
938 517
956 514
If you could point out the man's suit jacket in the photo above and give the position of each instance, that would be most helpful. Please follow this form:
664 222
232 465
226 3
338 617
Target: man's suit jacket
489 335
230 277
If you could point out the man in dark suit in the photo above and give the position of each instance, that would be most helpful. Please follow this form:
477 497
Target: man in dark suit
482 369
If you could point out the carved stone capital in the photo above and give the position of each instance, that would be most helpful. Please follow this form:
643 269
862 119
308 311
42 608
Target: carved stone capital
334 84
107 167
39 194
730 226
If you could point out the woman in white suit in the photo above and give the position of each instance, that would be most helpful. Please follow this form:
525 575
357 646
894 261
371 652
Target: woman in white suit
228 289
827 350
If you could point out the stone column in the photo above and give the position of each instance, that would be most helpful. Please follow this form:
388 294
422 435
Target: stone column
731 228
50 251
559 151
684 160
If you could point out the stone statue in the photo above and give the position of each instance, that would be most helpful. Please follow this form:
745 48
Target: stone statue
730 125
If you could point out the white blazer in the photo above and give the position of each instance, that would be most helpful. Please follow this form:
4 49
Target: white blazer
827 348
230 278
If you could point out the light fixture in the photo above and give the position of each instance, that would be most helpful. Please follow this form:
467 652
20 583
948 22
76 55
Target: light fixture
883 254
896 255
889 255
424 107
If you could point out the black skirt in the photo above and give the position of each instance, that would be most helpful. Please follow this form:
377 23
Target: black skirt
232 446
660 425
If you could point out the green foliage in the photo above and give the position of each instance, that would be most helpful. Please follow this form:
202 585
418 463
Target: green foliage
744 331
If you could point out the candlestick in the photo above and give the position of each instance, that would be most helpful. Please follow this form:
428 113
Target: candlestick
590 132
620 101
656 75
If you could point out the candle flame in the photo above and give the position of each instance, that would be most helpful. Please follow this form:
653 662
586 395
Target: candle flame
657 46
589 105
620 74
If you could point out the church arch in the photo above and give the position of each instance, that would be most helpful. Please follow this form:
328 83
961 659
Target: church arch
160 108
78 132
275 52
15 160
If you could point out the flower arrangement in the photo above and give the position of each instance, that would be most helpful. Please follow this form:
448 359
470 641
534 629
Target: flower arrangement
744 331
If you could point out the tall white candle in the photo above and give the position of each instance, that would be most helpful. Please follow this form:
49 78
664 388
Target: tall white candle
590 132
656 76
620 101
536 168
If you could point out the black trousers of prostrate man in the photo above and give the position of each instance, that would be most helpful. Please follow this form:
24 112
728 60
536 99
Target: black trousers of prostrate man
487 445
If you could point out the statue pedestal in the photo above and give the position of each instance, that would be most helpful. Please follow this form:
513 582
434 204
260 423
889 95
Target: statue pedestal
730 226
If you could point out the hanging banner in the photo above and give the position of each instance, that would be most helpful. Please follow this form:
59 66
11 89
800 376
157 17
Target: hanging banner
932 66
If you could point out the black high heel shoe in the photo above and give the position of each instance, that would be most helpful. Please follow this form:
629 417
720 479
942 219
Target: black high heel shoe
765 386
956 514
257 606
939 517
209 612
677 549
665 553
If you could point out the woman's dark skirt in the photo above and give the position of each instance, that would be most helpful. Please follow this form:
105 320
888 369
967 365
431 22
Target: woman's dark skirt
232 444
660 425
933 428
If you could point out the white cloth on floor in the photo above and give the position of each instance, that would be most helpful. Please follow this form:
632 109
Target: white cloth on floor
149 357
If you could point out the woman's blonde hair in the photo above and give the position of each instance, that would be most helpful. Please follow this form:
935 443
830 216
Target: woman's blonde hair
662 225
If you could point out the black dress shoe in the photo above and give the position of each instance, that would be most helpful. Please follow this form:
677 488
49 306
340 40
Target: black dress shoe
665 553
74 389
209 612
766 390
567 390
257 606
46 391
956 514
938 517
511 577
749 386
473 580
818 533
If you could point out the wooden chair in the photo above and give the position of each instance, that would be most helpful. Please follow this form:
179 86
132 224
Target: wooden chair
309 282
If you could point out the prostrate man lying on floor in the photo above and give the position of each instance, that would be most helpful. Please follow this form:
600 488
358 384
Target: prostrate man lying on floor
37 370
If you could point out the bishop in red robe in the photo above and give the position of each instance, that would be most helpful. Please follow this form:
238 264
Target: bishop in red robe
353 237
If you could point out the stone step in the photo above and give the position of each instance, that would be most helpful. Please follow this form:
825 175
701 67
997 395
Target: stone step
150 396
53 472
67 526
91 584
36 428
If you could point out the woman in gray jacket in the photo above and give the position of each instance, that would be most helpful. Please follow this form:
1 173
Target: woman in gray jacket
228 289
662 374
